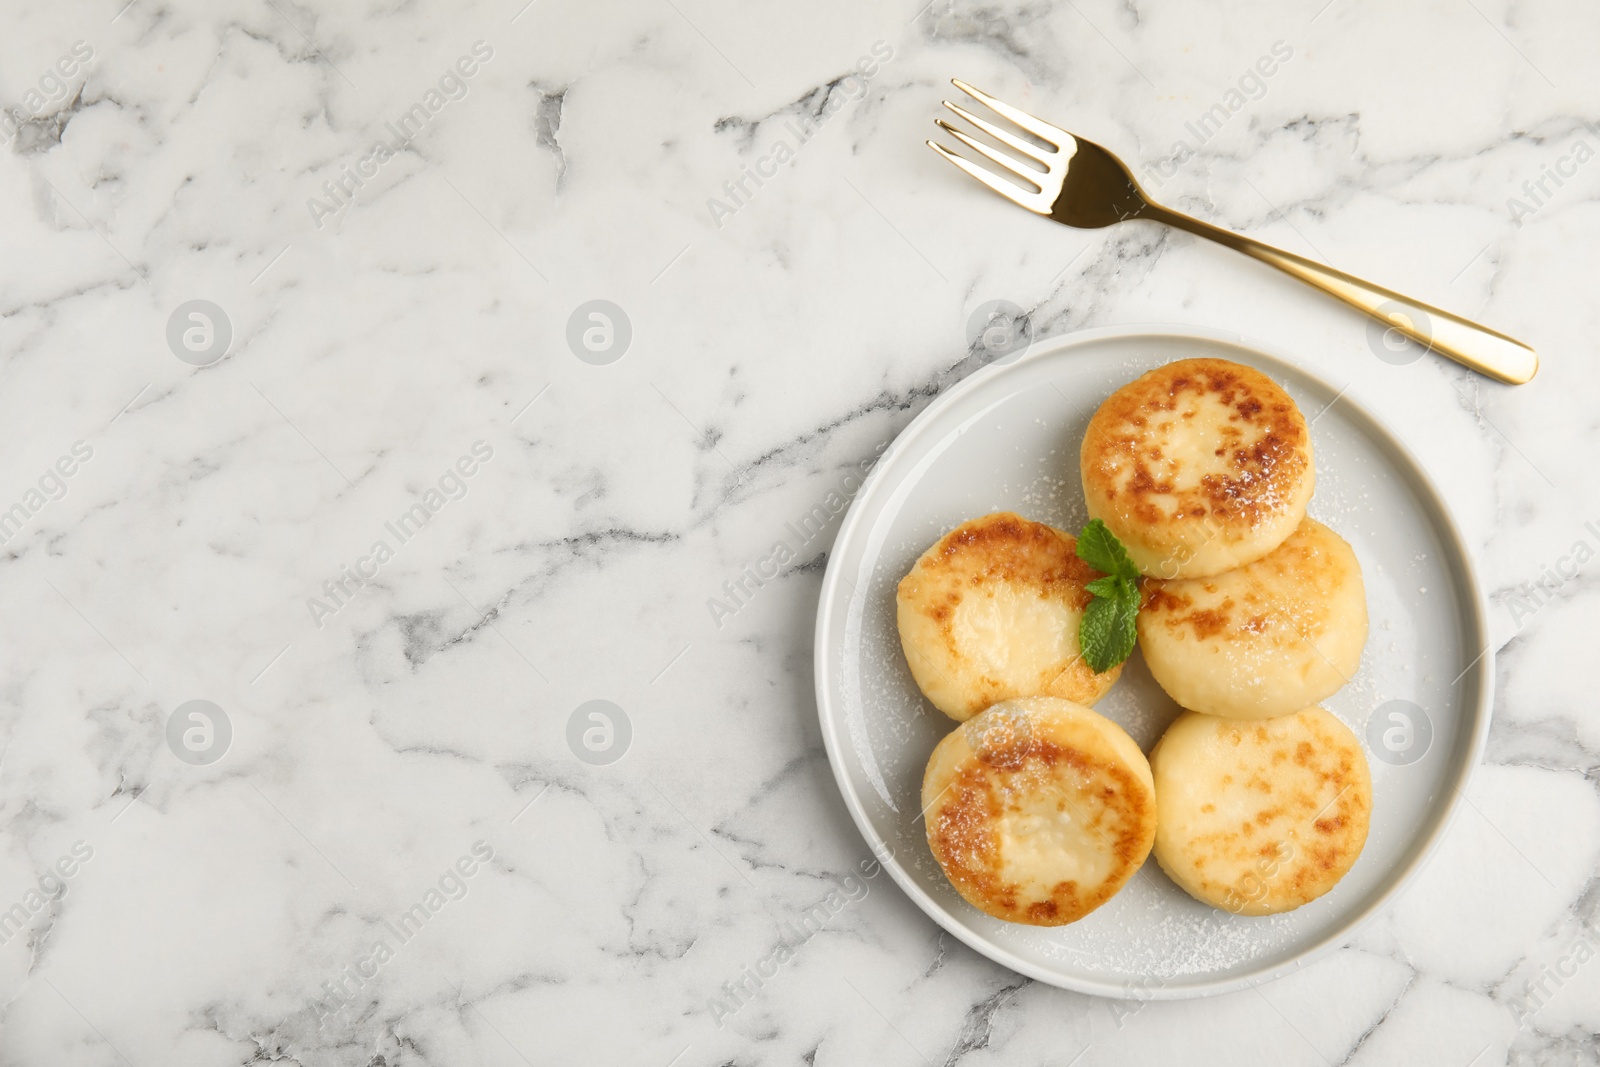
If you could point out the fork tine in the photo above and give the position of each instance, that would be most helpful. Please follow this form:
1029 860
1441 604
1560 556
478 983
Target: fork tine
1011 140
1000 159
1010 191
1038 127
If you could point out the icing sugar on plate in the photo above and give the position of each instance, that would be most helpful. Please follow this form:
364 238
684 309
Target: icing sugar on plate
1007 438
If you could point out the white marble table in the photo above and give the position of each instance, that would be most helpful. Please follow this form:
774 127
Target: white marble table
379 845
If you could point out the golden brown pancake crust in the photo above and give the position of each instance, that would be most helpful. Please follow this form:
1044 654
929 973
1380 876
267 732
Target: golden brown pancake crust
1007 547
1283 808
1265 639
1002 553
963 835
1037 769
1247 472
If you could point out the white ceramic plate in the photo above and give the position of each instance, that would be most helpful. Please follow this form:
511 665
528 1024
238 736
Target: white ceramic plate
1007 438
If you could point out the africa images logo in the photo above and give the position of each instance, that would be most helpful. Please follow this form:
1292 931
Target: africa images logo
1251 86
453 85
453 884
784 151
453 484
739 590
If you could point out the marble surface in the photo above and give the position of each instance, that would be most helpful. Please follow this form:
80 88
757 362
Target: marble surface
377 843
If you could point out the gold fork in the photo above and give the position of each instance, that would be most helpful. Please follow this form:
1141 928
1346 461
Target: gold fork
1078 183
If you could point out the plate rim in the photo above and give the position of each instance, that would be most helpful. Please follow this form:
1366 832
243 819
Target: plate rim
1482 710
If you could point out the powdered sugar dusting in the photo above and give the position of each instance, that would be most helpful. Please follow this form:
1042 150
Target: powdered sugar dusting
1021 454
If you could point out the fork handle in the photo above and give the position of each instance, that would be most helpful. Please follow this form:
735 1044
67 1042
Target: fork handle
1487 351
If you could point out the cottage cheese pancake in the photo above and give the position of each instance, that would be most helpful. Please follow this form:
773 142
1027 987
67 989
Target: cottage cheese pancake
1267 639
1039 810
1260 817
1198 467
991 612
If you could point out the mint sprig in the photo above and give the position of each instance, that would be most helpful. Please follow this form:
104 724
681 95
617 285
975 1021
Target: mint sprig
1107 631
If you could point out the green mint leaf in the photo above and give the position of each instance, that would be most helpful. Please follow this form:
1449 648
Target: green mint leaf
1108 630
1106 586
1100 549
